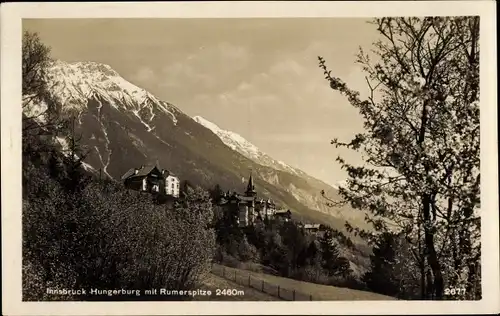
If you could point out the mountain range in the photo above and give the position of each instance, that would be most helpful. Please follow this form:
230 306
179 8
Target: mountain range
125 126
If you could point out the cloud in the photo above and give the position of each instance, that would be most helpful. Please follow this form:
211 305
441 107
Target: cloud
287 93
244 86
275 86
144 74
208 68
290 84
286 68
318 48
185 75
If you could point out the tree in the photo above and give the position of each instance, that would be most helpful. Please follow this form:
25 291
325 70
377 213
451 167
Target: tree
35 61
393 271
216 193
294 240
421 143
311 252
75 154
186 186
331 261
247 251
109 238
40 109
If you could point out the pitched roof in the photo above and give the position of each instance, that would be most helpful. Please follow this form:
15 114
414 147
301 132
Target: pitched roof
144 171
246 198
168 173
129 173
240 197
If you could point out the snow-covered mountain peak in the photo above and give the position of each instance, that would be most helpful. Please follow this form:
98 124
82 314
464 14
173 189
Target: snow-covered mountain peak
72 84
240 144
211 126
80 79
231 139
96 67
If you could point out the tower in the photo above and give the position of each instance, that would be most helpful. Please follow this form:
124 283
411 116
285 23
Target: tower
250 192
250 197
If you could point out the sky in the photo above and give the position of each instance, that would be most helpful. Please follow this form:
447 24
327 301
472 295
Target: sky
256 77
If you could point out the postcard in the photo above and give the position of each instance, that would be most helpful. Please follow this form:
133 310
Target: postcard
249 158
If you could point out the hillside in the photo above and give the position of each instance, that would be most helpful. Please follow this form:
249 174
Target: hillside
305 188
242 293
317 291
124 126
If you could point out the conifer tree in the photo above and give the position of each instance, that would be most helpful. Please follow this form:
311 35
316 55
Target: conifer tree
331 261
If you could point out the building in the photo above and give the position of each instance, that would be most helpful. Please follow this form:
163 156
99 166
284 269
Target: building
172 183
248 208
311 227
151 179
286 215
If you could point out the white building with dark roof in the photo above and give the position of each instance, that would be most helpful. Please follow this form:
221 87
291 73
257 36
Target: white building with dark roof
152 179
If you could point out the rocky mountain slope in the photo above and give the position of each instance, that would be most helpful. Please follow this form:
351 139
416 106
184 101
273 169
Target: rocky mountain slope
247 149
125 126
305 188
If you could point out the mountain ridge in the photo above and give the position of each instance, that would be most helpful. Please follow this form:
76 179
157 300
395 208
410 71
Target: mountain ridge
251 151
237 142
125 125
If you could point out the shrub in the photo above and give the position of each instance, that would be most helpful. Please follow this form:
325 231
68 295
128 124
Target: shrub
103 236
247 251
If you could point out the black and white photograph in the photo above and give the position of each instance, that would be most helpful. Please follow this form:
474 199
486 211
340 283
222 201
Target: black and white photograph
253 159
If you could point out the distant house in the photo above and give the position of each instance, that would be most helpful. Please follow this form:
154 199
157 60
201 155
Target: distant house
152 180
265 209
172 183
312 227
248 208
285 215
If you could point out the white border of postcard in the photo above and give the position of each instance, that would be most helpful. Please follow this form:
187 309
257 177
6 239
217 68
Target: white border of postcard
11 25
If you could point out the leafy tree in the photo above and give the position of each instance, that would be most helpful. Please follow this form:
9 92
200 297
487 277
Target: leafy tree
247 251
35 61
38 105
185 187
104 236
227 231
178 247
41 117
421 143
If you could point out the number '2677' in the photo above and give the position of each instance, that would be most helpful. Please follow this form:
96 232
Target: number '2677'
454 291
